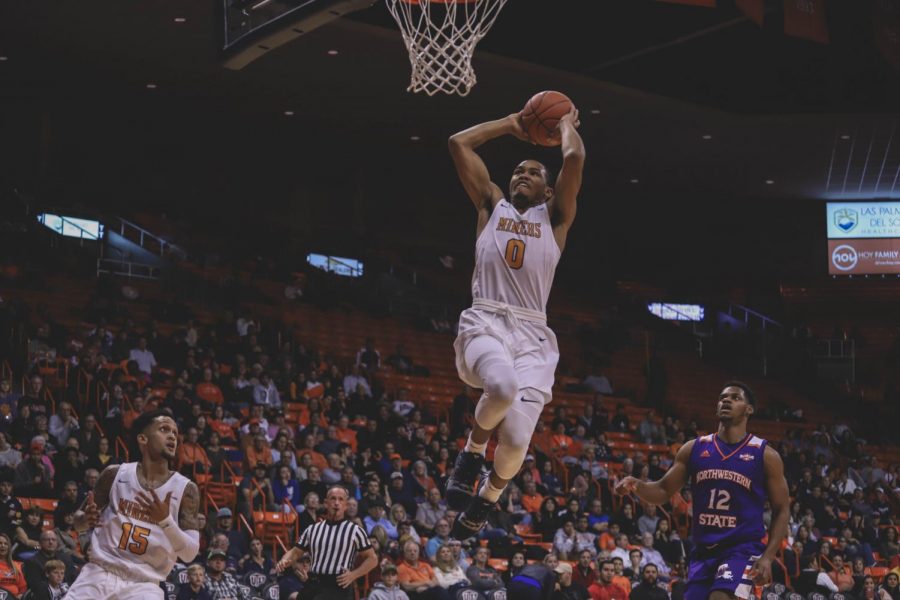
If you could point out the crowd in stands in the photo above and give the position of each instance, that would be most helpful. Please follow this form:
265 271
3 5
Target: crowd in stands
256 405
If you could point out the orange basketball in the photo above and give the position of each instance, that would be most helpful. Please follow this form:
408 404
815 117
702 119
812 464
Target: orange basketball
541 116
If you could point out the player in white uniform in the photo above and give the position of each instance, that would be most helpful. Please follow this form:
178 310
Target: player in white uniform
143 515
504 345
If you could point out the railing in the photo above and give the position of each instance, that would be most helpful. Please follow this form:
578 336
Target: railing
748 315
147 240
123 447
836 358
6 371
112 266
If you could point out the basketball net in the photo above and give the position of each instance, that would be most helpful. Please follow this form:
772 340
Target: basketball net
441 36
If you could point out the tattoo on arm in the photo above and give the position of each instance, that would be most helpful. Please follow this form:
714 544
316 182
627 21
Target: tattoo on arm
190 506
104 485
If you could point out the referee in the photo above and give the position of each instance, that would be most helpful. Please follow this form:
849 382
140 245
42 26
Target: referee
333 545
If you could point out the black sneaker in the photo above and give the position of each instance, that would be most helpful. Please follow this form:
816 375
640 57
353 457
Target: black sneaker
470 521
461 481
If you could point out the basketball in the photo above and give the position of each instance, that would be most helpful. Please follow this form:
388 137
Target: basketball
541 116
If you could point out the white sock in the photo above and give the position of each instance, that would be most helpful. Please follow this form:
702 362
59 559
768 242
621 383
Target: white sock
489 492
476 448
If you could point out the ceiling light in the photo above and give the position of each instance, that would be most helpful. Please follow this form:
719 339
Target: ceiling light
595 111
289 113
415 138
635 181
3 58
846 136
333 53
151 86
180 19
770 181
706 136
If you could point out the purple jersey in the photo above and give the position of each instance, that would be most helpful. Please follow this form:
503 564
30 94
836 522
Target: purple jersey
728 490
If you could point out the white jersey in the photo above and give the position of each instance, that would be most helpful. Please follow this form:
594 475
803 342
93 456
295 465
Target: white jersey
516 257
126 539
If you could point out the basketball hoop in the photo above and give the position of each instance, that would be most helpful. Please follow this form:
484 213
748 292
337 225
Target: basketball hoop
441 36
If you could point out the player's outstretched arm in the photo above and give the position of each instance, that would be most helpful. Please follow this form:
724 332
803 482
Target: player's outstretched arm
779 499
659 492
568 183
89 514
472 171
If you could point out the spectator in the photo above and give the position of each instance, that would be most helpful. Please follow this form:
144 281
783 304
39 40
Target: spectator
841 574
265 393
68 503
619 421
144 358
48 550
258 452
8 401
584 572
565 541
514 565
812 578
10 508
647 522
400 493
286 488
388 588
313 483
598 521
354 381
598 383
256 490
376 518
208 390
417 578
547 520
440 538
604 588
619 577
192 457
891 585
32 475
621 550
291 584
567 588
236 541
89 436
368 358
9 456
431 511
648 589
255 561
35 398
399 517
482 576
54 587
889 547
195 589
459 556
627 521
219 584
651 555
63 424
308 515
447 571
668 543
12 576
650 431
871 592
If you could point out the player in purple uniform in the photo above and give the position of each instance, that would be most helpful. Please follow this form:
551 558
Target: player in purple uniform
732 473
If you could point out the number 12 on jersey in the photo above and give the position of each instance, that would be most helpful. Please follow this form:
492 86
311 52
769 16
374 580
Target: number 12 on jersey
515 253
719 499
138 537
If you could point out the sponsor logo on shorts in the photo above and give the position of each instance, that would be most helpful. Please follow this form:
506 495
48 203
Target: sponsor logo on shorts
724 573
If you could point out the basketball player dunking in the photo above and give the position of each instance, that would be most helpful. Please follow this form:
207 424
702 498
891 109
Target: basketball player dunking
504 345
143 515
732 474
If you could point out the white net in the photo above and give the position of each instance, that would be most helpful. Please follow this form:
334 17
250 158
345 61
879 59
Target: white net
441 36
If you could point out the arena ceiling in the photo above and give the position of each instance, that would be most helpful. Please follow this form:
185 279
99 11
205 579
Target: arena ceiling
676 101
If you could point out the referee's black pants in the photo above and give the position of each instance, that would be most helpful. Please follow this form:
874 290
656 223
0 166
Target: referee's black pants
325 588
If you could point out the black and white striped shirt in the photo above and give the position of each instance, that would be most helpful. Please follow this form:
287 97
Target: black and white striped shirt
333 546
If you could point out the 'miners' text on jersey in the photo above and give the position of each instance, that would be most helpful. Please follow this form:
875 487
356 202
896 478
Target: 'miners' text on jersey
728 490
126 538
516 257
